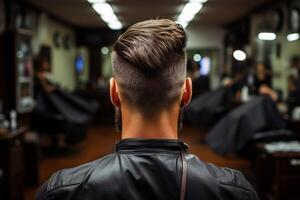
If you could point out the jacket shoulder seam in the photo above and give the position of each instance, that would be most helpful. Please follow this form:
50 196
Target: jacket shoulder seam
62 186
52 186
235 185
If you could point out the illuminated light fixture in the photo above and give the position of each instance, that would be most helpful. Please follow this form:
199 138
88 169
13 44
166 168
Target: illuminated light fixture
239 55
115 25
107 14
198 1
104 50
192 8
205 66
182 23
197 57
292 37
103 8
96 1
109 18
189 11
186 17
267 36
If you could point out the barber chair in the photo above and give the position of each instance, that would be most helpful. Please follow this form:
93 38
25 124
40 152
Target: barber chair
235 131
58 113
88 107
207 109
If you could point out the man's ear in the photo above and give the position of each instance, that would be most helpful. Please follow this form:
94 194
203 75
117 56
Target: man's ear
187 92
113 91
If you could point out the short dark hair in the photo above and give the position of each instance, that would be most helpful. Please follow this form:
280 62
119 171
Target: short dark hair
149 64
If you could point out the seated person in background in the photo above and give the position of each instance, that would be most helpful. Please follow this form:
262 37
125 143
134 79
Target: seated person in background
263 82
294 84
235 85
192 70
264 89
149 91
293 99
262 77
200 82
41 75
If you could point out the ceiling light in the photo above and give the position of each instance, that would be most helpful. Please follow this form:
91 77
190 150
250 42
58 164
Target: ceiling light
104 50
198 1
186 17
205 66
103 8
115 25
197 57
107 14
192 8
96 1
184 24
267 36
292 37
108 18
239 55
189 11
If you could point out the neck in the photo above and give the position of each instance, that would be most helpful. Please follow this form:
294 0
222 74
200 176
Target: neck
162 126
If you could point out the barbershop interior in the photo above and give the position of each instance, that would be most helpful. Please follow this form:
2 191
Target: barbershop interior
243 57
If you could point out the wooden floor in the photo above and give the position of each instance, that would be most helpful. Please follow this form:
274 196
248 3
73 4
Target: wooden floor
100 141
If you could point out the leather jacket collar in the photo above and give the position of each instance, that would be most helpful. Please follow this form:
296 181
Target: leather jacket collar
148 169
163 144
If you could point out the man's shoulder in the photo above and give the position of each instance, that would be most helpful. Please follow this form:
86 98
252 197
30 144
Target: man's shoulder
212 178
75 175
222 176
228 176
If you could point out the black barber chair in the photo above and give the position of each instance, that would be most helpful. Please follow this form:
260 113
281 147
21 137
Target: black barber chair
59 113
237 128
207 109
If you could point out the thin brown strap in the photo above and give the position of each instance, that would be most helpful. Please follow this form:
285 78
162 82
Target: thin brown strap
183 176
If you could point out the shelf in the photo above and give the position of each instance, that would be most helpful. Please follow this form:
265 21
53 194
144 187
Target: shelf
25 80
24 32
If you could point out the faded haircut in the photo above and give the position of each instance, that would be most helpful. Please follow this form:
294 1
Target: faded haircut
149 65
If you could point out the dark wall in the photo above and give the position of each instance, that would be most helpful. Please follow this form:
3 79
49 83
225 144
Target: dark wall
1 69
96 37
95 65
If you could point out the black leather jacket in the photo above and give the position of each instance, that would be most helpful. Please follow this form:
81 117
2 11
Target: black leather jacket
142 169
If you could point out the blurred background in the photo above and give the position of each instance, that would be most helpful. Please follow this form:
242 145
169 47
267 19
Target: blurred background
243 57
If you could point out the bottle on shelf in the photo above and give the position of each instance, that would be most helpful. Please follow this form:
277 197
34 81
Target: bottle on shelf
13 119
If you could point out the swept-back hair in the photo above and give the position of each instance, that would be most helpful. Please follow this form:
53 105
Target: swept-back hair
149 64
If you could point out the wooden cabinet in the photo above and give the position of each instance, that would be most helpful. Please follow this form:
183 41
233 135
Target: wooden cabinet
11 163
1 185
16 71
287 175
279 174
